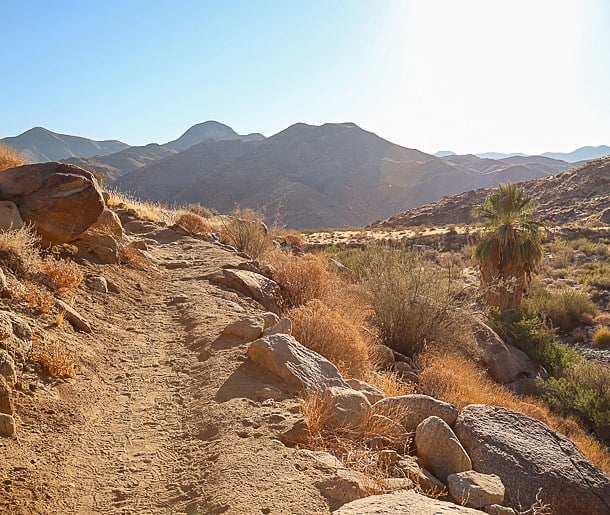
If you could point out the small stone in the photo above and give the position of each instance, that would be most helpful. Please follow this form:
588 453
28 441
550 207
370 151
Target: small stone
393 484
173 265
383 357
476 490
284 326
297 434
6 398
372 393
248 328
98 283
7 425
496 509
7 367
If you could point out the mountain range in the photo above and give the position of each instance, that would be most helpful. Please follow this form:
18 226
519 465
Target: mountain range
580 196
333 175
580 154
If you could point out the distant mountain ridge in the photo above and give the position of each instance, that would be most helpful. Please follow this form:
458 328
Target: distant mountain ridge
580 154
579 195
333 175
41 145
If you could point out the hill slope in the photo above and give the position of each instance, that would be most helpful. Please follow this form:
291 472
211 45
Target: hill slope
115 165
39 145
577 195
332 175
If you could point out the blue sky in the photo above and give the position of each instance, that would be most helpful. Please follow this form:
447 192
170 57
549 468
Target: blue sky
469 76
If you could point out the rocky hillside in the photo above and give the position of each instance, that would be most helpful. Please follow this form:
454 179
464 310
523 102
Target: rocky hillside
579 195
114 165
39 145
334 175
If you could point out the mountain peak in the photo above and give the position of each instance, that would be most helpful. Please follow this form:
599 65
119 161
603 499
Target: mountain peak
209 130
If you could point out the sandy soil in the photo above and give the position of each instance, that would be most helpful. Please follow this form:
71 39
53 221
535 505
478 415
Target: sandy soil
164 415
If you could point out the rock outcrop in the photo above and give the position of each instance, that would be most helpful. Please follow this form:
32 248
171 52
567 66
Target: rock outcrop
282 355
251 284
476 490
61 201
530 459
9 216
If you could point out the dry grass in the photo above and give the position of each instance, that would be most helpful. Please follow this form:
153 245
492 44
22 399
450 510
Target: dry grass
301 278
133 257
19 251
246 231
293 238
39 300
200 210
354 450
327 332
146 210
10 158
389 383
62 276
54 358
456 380
193 223
601 338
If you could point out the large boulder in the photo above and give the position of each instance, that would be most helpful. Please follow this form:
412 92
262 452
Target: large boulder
9 216
476 490
411 410
282 355
61 201
530 459
251 284
504 362
439 449
402 502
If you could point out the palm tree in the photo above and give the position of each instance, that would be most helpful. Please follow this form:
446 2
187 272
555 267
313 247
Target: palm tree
510 245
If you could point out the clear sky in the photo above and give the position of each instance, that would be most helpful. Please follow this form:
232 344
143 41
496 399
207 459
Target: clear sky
467 75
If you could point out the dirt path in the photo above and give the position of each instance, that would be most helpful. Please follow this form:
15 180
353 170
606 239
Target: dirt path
164 415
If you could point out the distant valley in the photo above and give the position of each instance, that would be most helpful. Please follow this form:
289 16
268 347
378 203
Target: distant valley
334 175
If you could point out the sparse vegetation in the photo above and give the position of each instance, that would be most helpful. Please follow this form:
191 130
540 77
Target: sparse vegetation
147 210
246 231
566 308
601 338
61 275
54 359
10 158
327 332
19 251
193 223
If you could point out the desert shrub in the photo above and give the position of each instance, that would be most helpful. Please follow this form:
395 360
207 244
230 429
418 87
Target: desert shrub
10 158
54 358
19 251
292 238
458 381
583 391
389 383
534 337
566 308
601 338
193 223
246 231
61 275
39 300
328 333
586 246
415 305
301 278
200 210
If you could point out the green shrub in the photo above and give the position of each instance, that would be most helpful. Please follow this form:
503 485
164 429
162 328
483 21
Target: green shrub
582 390
566 308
